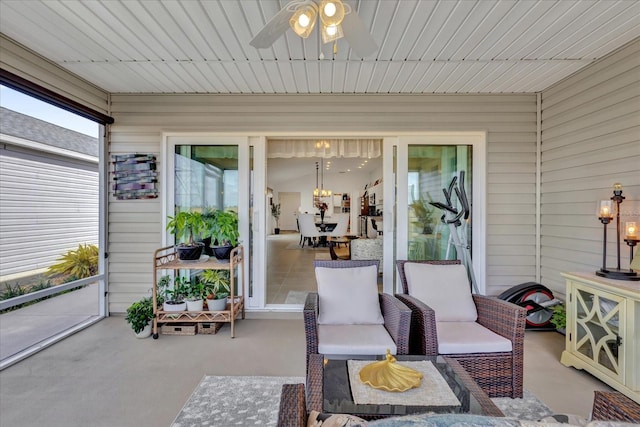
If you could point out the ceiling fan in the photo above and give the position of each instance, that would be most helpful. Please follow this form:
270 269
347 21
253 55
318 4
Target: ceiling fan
337 19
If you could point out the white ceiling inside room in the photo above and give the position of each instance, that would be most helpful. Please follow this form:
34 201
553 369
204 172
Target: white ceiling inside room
425 46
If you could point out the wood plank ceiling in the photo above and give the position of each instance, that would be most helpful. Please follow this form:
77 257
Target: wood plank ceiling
425 46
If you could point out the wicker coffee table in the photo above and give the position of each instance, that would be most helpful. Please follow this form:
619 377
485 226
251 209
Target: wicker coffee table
328 390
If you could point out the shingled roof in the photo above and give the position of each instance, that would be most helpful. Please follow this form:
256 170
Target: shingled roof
32 129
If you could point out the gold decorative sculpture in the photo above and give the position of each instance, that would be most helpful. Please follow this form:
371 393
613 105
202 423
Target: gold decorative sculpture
388 375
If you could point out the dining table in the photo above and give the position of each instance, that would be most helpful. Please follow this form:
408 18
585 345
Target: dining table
324 227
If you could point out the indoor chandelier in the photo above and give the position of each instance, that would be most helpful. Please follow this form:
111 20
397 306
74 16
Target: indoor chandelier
320 190
331 13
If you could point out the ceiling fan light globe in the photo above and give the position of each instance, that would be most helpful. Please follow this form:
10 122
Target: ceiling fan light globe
303 20
331 33
329 9
331 12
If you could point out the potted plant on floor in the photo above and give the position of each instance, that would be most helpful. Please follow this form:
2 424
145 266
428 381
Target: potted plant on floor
275 212
559 318
222 226
139 316
186 225
216 287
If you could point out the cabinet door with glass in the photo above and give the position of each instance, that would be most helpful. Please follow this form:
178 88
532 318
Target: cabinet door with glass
598 329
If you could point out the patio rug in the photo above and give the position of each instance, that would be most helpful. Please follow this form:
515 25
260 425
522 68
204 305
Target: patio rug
223 401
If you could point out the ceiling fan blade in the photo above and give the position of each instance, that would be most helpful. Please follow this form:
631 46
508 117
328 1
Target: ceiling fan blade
274 28
357 35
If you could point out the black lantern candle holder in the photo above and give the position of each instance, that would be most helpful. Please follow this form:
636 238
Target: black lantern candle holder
605 215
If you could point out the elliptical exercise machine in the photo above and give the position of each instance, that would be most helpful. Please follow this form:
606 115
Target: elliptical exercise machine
535 297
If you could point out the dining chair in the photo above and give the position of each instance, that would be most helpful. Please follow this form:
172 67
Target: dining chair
342 224
484 334
308 229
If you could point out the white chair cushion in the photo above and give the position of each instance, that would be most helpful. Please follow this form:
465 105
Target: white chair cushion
348 296
444 288
354 339
469 337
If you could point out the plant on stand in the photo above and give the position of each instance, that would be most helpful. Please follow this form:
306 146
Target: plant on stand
216 287
222 226
139 316
186 225
172 298
275 212
195 295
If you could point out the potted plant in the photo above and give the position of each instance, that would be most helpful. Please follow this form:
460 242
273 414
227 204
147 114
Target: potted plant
275 212
559 318
216 287
139 316
186 225
222 226
195 295
172 297
424 215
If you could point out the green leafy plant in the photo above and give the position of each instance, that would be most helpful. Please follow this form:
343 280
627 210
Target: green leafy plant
79 263
139 314
222 226
559 317
15 290
275 212
175 293
216 283
186 225
180 289
12 291
196 290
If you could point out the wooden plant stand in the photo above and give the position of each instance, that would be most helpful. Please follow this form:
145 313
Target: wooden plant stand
167 259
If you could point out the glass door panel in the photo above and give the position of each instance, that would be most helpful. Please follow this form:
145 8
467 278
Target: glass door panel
425 166
206 177
430 170
598 329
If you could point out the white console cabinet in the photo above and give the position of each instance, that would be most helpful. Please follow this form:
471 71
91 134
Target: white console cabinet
603 330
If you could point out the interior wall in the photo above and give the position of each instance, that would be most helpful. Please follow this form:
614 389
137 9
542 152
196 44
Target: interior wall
590 140
135 227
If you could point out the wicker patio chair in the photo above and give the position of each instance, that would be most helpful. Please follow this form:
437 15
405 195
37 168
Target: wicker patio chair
397 316
292 411
615 406
500 374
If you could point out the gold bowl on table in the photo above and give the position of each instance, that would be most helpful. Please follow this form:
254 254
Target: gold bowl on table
390 376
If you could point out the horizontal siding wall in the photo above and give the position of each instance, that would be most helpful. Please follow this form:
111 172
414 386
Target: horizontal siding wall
135 227
590 140
31 66
48 205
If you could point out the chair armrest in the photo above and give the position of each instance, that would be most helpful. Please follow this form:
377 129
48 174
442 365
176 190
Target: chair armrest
502 317
423 337
615 406
292 411
508 320
310 313
397 321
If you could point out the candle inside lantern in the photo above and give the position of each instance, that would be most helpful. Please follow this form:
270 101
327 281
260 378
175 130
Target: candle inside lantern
631 230
606 209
